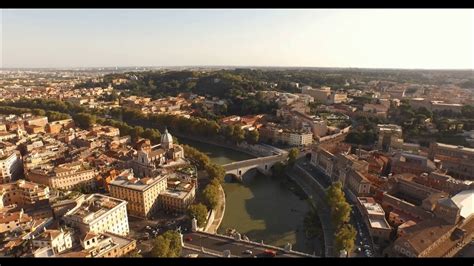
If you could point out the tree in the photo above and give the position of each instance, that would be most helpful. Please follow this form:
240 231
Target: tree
340 209
211 195
335 194
167 245
278 169
84 120
228 131
252 136
199 211
345 237
161 246
153 135
292 156
136 132
341 213
238 134
133 254
39 112
215 171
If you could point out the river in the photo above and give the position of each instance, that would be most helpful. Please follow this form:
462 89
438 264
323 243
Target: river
261 208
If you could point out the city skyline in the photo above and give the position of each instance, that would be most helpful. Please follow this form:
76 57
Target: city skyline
393 39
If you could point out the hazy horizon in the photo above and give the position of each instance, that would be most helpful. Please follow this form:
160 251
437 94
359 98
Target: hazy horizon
235 66
359 39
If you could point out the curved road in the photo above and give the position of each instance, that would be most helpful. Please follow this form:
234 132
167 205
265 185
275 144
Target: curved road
317 194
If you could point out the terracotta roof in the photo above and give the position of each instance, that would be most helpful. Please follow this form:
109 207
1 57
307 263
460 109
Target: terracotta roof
50 234
89 235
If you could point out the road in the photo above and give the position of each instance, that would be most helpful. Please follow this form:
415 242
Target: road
185 252
140 228
318 195
217 244
363 237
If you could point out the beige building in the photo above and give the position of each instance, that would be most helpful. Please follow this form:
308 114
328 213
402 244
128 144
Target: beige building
98 213
357 183
458 160
374 218
178 197
141 194
65 176
39 121
274 133
11 220
321 95
22 193
389 137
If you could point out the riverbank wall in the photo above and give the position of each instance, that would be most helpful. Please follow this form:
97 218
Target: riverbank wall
255 150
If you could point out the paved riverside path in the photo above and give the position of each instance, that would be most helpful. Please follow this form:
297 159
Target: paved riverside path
220 211
317 193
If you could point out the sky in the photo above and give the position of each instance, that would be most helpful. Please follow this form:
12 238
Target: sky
375 38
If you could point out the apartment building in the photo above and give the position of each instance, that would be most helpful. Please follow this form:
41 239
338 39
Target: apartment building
321 95
11 166
411 163
22 193
98 213
357 183
65 176
325 95
389 137
103 245
273 133
141 194
457 160
10 219
55 240
39 121
55 127
178 197
374 218
441 181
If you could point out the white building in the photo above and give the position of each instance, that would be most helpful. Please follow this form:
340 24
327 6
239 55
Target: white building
99 213
56 240
10 167
300 138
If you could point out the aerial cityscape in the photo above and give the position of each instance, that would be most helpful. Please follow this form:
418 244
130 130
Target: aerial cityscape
164 146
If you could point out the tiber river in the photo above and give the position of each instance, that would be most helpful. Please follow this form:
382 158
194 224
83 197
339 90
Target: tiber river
261 208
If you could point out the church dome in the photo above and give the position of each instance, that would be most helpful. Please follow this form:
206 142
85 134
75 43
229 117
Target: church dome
166 138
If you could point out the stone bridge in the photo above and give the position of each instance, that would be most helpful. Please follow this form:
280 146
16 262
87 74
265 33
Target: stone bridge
261 164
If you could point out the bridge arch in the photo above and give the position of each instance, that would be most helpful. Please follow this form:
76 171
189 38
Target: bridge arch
262 164
231 177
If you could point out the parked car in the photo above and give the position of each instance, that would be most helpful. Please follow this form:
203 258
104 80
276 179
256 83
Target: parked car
358 250
270 252
248 252
189 239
